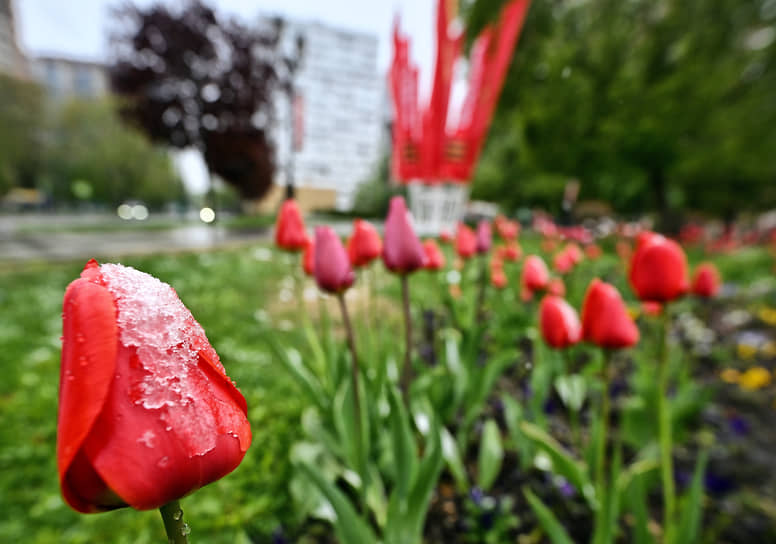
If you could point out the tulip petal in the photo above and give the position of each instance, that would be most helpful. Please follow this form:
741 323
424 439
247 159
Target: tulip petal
90 340
145 455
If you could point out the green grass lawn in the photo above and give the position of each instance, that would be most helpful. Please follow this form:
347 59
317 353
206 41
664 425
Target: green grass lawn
226 292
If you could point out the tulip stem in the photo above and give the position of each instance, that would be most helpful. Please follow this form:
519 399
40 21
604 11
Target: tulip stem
406 372
601 445
478 312
359 442
664 421
177 530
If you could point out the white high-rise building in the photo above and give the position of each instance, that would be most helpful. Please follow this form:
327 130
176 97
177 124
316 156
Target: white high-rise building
340 95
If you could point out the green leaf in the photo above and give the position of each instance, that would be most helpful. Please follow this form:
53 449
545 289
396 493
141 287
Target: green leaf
690 517
551 525
572 390
513 414
350 528
491 455
403 444
406 518
453 459
292 361
562 462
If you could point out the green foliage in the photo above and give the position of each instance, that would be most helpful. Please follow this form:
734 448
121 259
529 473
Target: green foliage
652 105
372 197
90 145
21 105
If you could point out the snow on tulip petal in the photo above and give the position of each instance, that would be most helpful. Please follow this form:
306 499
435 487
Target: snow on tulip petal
153 319
147 413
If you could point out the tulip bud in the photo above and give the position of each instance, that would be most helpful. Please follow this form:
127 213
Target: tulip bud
556 287
563 263
512 251
658 269
147 413
484 237
535 274
559 322
402 251
290 233
497 278
706 282
605 319
333 272
308 258
364 245
593 251
435 260
465 241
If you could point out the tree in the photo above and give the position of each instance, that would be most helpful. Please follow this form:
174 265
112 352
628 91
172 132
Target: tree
21 124
89 148
653 105
190 79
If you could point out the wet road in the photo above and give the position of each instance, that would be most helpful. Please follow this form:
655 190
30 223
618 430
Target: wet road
45 237
27 237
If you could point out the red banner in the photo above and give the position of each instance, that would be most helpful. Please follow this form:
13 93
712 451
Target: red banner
423 147
497 54
449 41
404 88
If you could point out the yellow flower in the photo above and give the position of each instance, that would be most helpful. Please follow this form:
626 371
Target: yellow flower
769 349
746 351
768 315
730 375
755 378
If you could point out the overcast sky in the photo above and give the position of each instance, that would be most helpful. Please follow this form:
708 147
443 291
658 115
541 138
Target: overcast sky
78 28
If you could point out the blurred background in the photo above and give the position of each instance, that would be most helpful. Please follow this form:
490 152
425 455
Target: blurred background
175 113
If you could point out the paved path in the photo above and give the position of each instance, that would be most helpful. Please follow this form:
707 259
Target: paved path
57 237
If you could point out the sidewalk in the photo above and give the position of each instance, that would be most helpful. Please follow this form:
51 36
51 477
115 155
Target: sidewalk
54 238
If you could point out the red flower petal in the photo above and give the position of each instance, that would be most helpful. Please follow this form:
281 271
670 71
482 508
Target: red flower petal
90 340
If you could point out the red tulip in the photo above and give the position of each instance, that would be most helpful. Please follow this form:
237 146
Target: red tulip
512 252
402 251
290 233
574 253
706 282
435 260
535 275
333 272
658 269
364 245
593 251
556 287
559 322
508 230
497 278
484 237
563 262
446 237
147 413
651 308
308 258
465 241
605 319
